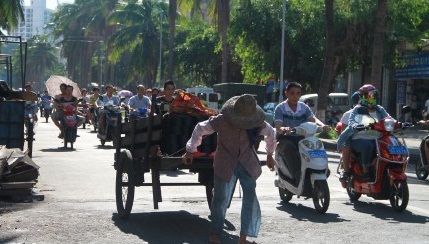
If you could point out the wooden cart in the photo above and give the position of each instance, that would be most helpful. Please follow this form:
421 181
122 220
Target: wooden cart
138 152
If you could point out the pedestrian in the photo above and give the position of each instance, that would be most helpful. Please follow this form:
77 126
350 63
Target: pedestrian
415 108
238 125
426 110
269 89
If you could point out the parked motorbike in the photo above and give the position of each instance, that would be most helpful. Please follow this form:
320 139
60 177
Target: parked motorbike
69 122
391 161
112 115
304 174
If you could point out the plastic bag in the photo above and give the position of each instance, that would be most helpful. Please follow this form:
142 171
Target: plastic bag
187 103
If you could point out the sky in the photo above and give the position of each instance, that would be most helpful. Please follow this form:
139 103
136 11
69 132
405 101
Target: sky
51 4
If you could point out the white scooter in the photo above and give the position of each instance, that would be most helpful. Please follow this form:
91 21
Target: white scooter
303 172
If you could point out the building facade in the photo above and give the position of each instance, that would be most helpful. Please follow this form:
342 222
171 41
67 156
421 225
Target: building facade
37 16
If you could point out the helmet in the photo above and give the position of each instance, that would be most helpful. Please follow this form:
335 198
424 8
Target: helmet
368 96
355 98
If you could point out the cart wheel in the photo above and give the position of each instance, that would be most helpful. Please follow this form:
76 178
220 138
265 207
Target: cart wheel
209 194
125 185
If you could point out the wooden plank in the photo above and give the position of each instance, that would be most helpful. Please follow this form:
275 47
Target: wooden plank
176 162
141 124
17 185
140 138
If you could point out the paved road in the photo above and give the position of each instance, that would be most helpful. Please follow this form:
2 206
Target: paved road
79 206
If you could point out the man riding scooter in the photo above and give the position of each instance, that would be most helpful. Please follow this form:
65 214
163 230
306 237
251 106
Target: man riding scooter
139 105
301 161
107 100
292 113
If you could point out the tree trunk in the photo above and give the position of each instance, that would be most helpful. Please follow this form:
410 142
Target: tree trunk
172 13
378 45
223 23
328 66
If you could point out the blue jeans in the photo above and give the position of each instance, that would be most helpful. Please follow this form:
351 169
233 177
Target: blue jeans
366 149
250 209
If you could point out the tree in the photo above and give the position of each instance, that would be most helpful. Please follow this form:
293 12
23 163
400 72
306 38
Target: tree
137 38
10 13
328 67
378 44
223 10
41 57
172 15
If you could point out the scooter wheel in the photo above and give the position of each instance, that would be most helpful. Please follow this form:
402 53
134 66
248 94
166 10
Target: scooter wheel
321 196
399 195
285 194
353 195
421 172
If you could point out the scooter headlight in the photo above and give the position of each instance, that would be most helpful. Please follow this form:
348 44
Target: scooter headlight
319 145
308 144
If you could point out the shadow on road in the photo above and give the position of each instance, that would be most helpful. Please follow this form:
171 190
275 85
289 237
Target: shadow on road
168 227
385 212
304 213
415 181
59 149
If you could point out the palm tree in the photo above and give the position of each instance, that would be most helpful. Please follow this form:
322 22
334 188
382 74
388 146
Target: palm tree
222 10
10 13
83 27
137 39
172 16
41 57
378 45
328 67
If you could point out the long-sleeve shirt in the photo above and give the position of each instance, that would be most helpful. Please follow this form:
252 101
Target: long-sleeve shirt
233 146
354 121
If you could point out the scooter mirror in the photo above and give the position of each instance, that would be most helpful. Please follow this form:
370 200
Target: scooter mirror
363 110
406 109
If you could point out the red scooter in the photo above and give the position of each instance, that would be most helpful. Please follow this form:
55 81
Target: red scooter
389 168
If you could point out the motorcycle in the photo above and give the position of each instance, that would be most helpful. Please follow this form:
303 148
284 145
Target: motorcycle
69 122
390 164
94 118
112 115
30 114
83 109
422 167
307 174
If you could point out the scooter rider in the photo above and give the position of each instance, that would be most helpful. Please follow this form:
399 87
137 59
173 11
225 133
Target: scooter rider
55 116
346 150
426 149
46 101
139 101
363 142
106 98
291 113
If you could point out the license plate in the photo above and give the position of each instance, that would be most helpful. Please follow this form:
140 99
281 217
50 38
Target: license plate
318 154
397 150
